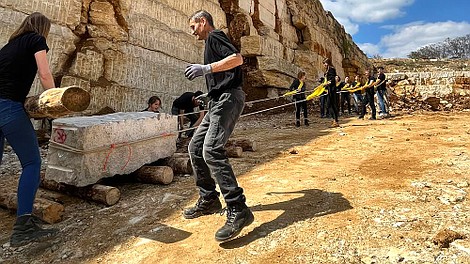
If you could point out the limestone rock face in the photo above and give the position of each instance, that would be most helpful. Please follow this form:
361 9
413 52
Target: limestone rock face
84 150
124 51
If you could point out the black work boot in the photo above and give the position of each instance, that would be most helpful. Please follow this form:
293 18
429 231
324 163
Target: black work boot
238 216
203 207
297 123
26 230
306 122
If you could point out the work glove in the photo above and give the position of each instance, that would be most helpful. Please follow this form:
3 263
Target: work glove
202 99
195 70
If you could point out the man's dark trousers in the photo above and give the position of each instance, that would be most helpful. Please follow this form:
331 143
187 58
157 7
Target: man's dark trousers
207 152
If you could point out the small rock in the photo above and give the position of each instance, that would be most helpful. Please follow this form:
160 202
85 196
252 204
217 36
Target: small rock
293 151
462 184
445 237
398 224
420 185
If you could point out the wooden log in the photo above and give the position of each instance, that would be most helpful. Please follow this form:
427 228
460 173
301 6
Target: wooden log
155 174
57 102
99 193
246 144
180 163
234 152
48 211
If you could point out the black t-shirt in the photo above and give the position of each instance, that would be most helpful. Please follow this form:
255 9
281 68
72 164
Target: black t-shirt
382 86
330 75
18 65
218 47
185 102
370 80
295 85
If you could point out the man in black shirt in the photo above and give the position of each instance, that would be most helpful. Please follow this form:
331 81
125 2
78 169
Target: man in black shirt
369 96
224 83
381 92
184 106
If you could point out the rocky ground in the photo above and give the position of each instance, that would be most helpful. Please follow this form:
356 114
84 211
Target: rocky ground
385 191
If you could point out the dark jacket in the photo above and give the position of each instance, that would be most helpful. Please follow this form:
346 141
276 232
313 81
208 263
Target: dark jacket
295 85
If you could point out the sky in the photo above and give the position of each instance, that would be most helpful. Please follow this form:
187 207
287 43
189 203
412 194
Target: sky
394 28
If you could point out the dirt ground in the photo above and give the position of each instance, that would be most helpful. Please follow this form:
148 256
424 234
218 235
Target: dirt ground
367 192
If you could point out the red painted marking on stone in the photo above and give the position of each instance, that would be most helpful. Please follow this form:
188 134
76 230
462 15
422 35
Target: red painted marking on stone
60 136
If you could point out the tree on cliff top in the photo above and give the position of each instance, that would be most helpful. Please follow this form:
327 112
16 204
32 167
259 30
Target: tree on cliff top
457 48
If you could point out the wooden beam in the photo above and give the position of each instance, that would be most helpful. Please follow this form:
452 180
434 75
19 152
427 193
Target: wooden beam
155 174
57 102
48 211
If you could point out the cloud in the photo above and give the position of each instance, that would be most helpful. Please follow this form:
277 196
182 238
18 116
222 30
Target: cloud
369 48
410 37
351 12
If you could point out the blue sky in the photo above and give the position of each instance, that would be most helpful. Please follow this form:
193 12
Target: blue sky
394 28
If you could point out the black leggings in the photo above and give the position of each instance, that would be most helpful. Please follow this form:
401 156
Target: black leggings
333 105
299 106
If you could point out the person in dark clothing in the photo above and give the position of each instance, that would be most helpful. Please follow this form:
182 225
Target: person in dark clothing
20 59
382 92
368 96
183 106
154 104
323 101
300 103
330 74
345 97
223 75
357 95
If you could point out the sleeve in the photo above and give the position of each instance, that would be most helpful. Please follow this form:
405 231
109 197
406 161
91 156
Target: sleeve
222 46
381 77
331 74
294 85
38 43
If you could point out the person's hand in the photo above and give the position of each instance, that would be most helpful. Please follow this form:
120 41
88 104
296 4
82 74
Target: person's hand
196 70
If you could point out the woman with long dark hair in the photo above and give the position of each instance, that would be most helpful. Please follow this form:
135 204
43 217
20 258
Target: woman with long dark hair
20 59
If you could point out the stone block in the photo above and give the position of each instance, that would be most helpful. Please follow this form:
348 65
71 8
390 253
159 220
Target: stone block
176 44
84 150
247 5
104 23
136 67
88 64
261 46
63 12
268 63
267 16
269 79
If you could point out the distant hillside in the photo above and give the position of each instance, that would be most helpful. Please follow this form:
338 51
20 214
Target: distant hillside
422 65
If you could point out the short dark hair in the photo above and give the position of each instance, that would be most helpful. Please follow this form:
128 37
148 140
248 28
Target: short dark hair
301 74
202 13
197 93
153 99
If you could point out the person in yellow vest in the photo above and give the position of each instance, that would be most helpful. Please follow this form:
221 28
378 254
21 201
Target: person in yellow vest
300 103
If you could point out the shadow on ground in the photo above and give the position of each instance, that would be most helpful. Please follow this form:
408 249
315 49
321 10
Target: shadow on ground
313 203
